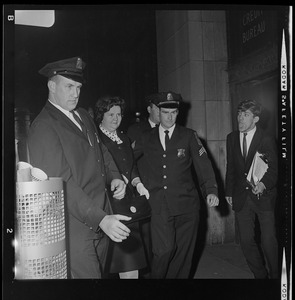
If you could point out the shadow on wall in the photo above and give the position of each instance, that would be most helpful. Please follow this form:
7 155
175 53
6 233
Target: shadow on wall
183 113
222 208
264 119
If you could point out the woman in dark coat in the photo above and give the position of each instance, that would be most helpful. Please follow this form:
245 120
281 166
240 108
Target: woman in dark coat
128 257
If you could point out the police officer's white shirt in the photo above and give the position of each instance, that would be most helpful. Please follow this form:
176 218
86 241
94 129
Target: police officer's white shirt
68 114
249 138
162 134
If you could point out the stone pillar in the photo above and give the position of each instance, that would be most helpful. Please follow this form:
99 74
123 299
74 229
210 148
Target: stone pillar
192 60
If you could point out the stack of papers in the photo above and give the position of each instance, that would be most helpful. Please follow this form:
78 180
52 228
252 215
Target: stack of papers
257 169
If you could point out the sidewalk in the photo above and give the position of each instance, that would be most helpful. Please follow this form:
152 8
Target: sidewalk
223 261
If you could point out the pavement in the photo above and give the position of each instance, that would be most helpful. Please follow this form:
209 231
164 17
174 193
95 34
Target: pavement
222 261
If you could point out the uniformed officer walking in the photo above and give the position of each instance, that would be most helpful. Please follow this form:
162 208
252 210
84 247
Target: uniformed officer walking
169 150
63 141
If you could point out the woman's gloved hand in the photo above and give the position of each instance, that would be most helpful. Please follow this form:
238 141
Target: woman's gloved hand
142 190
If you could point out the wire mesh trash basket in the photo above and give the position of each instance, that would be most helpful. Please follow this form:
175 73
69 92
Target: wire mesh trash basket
40 236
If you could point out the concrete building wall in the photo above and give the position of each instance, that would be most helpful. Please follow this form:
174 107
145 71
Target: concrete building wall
192 60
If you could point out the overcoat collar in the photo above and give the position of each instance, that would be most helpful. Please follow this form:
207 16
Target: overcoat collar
60 116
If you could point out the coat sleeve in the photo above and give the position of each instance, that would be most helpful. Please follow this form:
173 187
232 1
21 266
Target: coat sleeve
138 148
134 169
112 171
203 166
46 152
230 168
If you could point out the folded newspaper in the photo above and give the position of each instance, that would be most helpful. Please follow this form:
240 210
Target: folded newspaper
257 170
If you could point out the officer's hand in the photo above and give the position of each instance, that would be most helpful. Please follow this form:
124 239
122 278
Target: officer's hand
229 200
112 227
142 190
212 200
119 188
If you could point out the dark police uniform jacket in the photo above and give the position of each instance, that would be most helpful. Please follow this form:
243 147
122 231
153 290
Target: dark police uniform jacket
168 174
237 170
58 147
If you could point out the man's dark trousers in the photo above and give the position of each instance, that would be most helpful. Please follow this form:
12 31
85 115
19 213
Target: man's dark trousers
246 224
173 242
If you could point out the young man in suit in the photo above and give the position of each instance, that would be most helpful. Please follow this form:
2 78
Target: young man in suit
63 142
251 201
174 198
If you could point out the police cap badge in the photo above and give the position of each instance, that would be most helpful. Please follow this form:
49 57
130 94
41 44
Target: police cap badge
169 99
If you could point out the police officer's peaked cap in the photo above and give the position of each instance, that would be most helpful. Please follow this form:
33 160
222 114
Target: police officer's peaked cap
71 68
169 100
153 98
165 99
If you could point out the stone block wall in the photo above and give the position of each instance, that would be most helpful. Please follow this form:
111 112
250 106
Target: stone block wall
192 60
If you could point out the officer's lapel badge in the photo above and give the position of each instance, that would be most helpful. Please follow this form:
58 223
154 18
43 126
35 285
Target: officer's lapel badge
180 153
79 63
201 149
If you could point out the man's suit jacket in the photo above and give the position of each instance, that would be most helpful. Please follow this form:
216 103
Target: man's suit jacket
168 174
237 170
135 130
59 148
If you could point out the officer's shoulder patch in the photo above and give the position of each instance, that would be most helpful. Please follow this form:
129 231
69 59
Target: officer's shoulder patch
201 149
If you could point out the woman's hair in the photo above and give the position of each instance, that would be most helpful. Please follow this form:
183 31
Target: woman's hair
251 105
104 104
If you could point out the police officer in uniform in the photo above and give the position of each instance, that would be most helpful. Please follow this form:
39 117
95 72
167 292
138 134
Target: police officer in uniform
169 151
63 141
134 132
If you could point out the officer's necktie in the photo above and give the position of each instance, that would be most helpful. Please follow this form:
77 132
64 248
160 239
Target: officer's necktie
82 125
166 138
245 146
